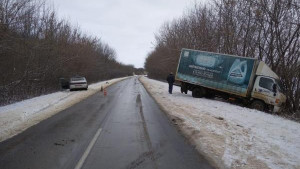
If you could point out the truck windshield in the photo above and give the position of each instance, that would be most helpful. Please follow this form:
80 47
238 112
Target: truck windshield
279 85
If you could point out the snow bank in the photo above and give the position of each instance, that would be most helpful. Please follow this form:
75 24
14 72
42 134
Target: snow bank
231 136
19 116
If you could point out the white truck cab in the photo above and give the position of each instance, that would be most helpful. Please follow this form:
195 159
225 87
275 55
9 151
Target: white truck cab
267 89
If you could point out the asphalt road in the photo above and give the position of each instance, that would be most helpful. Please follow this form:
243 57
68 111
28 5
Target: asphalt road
125 129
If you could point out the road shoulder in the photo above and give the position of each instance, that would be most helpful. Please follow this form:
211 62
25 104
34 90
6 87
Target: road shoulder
19 116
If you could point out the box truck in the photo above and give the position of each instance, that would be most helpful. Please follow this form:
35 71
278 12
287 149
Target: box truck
249 80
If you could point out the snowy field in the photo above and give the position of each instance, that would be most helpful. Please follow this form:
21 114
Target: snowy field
19 116
228 135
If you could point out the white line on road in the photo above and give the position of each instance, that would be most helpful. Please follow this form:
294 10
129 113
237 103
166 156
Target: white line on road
87 151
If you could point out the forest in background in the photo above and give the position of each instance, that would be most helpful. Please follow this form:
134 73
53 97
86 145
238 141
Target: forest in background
265 29
37 48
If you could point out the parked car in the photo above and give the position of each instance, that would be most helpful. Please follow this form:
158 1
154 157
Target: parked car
78 83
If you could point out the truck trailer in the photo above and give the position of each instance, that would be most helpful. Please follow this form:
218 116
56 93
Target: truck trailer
232 77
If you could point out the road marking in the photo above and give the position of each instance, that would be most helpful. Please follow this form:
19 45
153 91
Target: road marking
88 150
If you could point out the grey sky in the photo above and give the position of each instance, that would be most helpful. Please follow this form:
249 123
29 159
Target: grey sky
128 26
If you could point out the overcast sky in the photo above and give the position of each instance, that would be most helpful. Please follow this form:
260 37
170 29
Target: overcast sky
128 26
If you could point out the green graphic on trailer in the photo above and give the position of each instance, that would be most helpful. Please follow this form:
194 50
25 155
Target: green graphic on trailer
216 70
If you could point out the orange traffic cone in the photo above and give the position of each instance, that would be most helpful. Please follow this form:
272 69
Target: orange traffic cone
104 92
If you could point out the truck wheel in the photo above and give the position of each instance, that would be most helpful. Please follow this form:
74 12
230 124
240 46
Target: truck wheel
198 92
258 105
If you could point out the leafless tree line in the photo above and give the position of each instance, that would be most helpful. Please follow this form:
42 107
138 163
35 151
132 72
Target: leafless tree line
37 48
264 29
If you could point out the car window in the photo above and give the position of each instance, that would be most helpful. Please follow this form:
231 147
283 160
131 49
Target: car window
77 79
266 83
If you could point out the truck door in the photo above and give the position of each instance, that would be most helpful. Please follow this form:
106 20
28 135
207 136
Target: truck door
263 89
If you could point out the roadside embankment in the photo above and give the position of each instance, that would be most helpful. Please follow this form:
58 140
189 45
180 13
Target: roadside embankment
230 136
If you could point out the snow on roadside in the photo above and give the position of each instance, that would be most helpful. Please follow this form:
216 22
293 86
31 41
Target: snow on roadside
231 136
17 117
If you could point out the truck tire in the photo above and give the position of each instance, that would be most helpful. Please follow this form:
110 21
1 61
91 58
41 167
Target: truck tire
258 105
198 92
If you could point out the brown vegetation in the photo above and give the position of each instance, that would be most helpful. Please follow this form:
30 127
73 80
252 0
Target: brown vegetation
36 49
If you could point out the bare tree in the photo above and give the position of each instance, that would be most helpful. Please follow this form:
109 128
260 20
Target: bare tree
36 48
265 29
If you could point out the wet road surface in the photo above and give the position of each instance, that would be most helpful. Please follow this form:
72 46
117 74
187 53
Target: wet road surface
125 129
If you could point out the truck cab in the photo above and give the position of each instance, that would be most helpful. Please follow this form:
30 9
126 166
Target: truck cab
267 89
